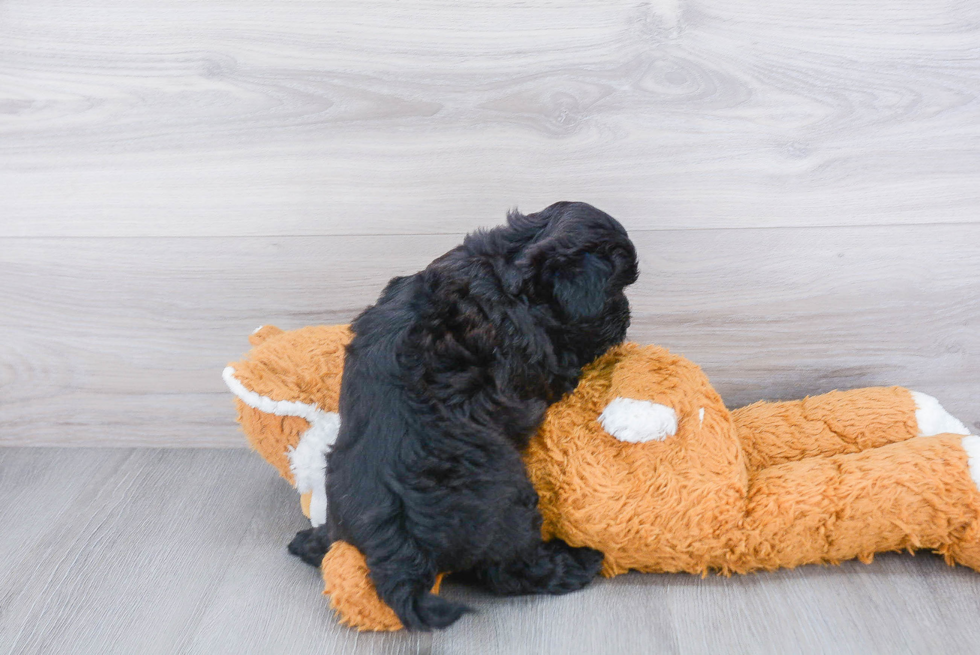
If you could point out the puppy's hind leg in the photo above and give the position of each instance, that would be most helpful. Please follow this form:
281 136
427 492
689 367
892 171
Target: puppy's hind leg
551 567
311 545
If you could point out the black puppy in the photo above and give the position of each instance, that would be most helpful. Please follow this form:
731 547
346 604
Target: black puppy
446 379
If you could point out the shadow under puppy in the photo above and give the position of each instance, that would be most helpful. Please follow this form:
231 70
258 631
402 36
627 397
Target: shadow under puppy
445 380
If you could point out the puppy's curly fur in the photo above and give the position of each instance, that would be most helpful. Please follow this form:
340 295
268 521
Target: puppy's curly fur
446 379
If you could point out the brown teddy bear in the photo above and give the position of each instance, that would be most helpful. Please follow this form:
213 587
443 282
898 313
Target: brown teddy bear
643 462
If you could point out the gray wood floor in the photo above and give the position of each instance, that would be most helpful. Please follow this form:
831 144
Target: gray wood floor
183 551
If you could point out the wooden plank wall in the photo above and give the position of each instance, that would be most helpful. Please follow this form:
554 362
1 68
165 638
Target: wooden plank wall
802 181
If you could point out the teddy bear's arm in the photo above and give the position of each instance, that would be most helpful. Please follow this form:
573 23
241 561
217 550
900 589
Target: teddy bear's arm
638 421
838 422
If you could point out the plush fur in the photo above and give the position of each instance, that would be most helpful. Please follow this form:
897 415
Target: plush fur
445 380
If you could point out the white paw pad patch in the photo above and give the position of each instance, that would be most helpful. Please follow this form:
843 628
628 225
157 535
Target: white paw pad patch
638 421
971 445
933 419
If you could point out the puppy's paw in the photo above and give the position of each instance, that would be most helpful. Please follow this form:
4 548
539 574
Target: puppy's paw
589 559
430 611
573 567
310 546
551 567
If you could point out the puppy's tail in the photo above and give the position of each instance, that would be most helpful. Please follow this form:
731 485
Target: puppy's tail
406 584
436 612
423 611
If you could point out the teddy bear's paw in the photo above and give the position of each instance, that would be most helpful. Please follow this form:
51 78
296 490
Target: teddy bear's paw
638 421
933 419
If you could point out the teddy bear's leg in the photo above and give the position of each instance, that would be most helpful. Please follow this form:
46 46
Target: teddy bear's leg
919 493
838 422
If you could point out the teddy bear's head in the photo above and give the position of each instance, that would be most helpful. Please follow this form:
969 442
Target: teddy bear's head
288 390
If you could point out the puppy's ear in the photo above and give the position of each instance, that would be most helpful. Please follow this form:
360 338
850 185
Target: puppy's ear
581 287
517 274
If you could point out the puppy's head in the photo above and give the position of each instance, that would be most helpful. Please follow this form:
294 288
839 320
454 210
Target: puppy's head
579 260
